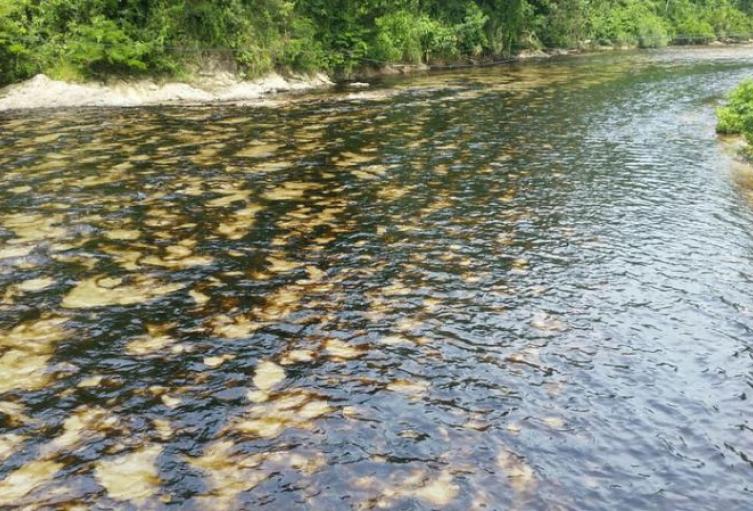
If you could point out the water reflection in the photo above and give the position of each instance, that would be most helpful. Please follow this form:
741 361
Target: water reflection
505 288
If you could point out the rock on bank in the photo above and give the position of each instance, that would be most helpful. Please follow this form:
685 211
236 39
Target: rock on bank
43 92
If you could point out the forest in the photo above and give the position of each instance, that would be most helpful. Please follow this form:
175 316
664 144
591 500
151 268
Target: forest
81 39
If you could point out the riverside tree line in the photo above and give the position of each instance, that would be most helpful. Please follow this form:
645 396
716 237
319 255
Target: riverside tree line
77 39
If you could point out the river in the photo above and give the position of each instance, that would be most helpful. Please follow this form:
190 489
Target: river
515 287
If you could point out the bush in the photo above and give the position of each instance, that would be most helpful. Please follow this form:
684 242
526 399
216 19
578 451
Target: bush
101 48
651 32
404 36
470 33
728 22
399 37
16 56
301 50
694 31
630 23
438 40
736 116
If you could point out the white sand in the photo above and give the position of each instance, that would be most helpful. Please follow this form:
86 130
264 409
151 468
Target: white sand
43 92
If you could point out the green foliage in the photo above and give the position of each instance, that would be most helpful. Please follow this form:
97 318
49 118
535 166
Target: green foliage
399 37
471 37
736 117
563 22
103 47
77 39
300 49
727 21
511 25
16 57
404 36
632 23
694 31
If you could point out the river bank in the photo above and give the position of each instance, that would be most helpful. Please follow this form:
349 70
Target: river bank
735 135
737 150
44 92
222 86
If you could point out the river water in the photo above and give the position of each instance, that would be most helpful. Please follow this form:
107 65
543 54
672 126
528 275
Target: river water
525 287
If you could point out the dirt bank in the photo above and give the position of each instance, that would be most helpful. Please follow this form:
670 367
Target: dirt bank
43 92
218 85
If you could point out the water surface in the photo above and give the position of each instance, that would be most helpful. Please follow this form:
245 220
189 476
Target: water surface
524 287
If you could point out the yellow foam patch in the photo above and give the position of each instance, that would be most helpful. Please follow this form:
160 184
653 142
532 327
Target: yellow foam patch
287 410
10 443
149 344
26 479
438 492
239 223
214 362
280 265
29 347
237 327
412 387
268 374
34 227
90 381
520 475
198 297
227 474
123 235
33 285
84 424
103 292
261 150
229 197
339 349
290 190
132 476
11 252
294 356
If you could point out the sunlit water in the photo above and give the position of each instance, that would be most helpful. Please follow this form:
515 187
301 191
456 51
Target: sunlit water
501 288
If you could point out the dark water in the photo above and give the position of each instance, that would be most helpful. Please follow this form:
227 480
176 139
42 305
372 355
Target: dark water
503 288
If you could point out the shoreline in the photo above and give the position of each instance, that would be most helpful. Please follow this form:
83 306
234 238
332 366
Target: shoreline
741 167
42 92
221 87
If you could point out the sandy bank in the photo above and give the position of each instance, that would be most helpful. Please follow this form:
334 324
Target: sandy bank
741 167
43 92
218 86
214 87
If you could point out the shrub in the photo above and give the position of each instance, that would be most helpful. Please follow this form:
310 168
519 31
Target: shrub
737 115
470 33
406 37
439 40
301 50
692 30
16 56
630 23
727 21
399 37
101 47
651 32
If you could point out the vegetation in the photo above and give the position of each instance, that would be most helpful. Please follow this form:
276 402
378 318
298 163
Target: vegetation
736 117
77 39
